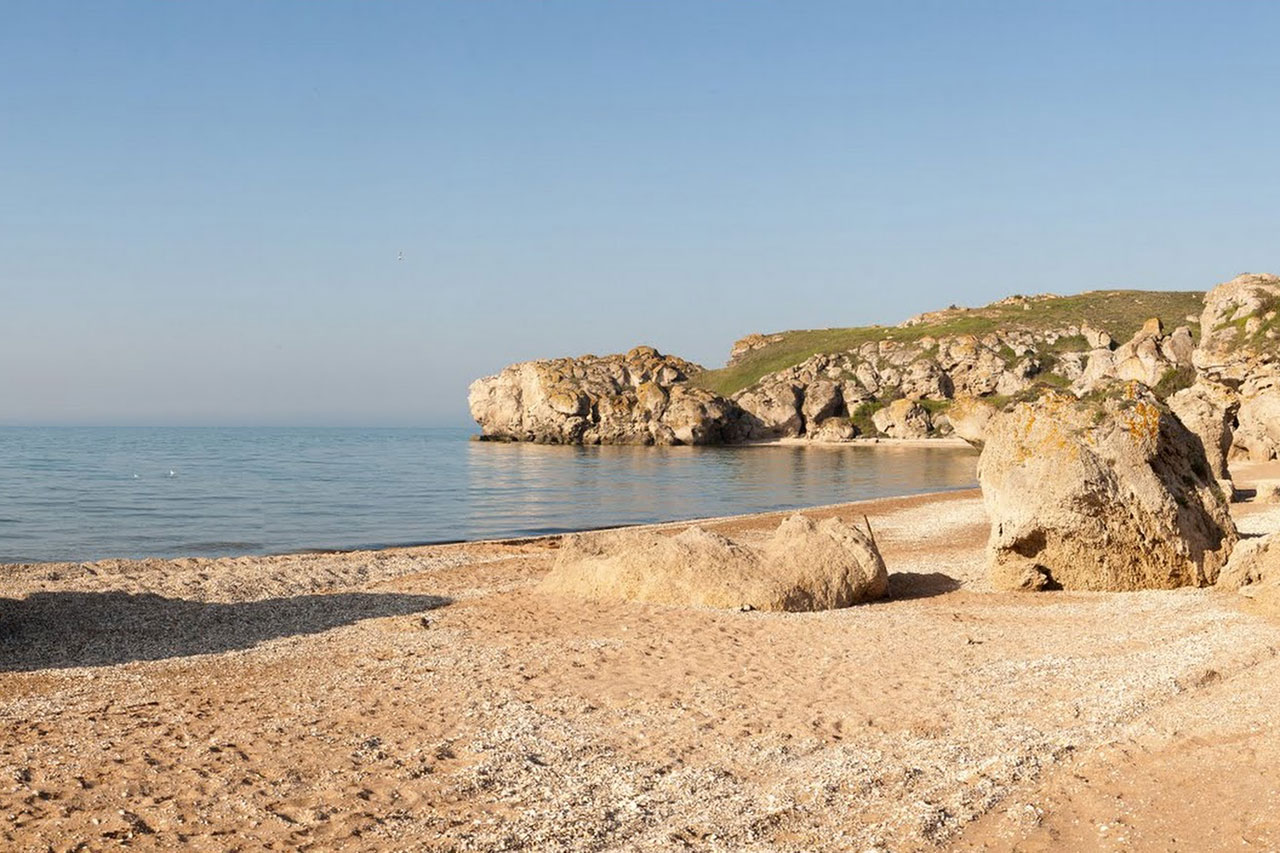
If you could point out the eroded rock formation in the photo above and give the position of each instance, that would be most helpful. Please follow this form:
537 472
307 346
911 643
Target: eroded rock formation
1227 388
642 397
1111 494
1209 411
1239 357
802 566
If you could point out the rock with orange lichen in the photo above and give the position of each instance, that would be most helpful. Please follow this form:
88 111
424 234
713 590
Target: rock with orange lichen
1104 493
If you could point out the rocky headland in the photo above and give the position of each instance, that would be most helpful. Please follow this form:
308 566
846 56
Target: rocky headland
1211 357
642 397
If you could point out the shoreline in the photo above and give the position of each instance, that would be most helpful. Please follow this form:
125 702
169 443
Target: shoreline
948 441
1247 474
945 441
888 444
412 547
436 697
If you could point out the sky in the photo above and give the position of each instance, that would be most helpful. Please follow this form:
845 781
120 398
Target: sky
202 204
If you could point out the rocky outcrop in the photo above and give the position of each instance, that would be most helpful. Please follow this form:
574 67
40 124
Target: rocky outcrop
1109 495
642 397
1002 364
794 401
970 417
802 566
1267 493
1254 561
772 410
646 398
1238 334
834 429
903 419
1239 354
1148 357
745 346
1257 431
1209 411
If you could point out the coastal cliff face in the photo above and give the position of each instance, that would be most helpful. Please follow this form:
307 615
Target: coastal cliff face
642 397
902 382
903 388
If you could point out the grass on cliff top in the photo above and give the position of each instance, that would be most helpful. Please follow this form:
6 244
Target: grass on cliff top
1119 312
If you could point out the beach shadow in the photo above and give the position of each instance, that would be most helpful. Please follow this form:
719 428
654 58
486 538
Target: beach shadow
907 585
56 630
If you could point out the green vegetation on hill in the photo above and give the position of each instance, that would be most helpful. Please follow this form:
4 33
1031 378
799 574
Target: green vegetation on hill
1119 312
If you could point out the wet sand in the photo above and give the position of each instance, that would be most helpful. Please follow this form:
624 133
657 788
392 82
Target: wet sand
432 699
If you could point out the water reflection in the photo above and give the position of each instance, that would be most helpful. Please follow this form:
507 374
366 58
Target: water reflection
547 489
79 494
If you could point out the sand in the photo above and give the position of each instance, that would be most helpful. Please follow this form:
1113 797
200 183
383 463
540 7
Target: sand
432 699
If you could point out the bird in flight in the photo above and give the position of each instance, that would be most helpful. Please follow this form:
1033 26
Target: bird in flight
399 256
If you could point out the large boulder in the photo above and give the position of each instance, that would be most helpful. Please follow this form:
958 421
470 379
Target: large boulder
970 417
903 419
822 399
1099 368
1179 347
772 410
1253 561
802 566
1257 432
1209 410
1254 572
642 397
923 379
752 342
697 416
1113 494
832 430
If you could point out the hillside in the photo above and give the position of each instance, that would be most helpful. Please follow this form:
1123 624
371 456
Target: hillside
839 384
1119 312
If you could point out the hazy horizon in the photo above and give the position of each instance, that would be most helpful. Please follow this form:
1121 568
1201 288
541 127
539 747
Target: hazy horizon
203 205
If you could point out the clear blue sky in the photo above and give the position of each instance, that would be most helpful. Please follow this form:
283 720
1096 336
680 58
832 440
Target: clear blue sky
201 203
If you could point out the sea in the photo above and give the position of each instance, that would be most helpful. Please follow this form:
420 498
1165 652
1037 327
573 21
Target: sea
78 494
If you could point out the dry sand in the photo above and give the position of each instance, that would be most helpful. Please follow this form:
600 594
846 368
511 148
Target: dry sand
431 699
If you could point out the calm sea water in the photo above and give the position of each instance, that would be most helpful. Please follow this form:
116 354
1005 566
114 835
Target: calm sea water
89 493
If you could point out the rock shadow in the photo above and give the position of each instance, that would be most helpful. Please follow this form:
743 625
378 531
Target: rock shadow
56 630
904 586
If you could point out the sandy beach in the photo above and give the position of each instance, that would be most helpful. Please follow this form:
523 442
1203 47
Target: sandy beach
432 699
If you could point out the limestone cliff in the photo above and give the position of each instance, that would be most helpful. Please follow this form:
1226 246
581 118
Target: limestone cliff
836 384
642 397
